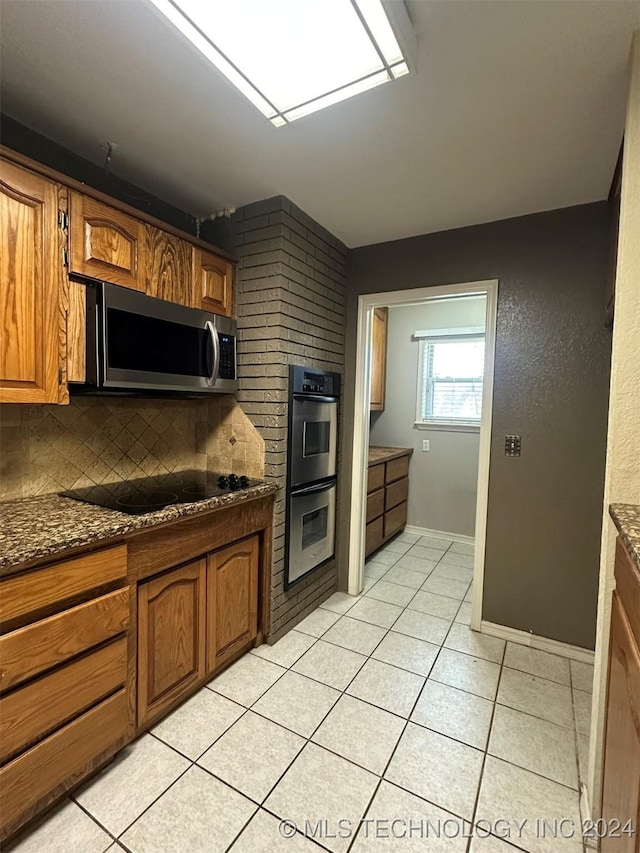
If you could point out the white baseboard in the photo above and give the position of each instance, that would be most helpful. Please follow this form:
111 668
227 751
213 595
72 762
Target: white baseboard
438 534
544 644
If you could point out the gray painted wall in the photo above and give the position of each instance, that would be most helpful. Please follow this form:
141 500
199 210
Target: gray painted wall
551 387
443 481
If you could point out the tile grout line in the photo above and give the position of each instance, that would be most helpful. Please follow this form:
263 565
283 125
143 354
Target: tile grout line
191 761
486 748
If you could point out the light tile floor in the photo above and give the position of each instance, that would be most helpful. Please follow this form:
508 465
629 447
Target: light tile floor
378 708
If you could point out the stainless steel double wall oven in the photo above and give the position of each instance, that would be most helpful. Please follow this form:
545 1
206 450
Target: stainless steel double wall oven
311 480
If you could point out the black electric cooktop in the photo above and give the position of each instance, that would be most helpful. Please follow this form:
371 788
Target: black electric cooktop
152 493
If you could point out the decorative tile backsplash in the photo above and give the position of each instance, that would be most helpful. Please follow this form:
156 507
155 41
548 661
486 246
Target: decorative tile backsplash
231 442
46 449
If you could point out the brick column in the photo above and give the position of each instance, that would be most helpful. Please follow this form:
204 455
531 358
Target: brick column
290 305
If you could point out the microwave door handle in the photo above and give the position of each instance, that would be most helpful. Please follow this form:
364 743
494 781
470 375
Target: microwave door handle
215 346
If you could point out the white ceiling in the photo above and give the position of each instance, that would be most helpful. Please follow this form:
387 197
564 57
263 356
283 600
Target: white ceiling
517 107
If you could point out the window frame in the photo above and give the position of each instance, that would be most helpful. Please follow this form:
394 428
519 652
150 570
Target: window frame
426 338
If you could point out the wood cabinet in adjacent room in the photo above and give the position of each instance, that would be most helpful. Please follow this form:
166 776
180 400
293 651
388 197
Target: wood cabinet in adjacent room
379 358
105 243
232 600
621 773
31 276
212 282
387 494
167 267
171 636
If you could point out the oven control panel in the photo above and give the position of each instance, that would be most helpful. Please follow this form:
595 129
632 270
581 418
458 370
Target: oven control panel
305 380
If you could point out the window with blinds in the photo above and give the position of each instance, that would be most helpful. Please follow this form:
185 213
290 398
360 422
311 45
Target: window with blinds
450 379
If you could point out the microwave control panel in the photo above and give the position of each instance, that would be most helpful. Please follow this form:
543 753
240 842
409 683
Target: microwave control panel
227 368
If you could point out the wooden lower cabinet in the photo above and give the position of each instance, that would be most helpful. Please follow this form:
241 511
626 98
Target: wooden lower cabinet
621 773
374 536
89 663
191 621
232 600
171 637
40 775
64 678
387 494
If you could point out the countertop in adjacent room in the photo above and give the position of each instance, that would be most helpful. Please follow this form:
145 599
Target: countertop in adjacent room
385 454
627 520
32 529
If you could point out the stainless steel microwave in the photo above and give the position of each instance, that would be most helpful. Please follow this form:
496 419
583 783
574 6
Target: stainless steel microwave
139 344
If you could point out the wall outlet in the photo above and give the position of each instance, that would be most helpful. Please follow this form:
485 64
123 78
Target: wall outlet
425 445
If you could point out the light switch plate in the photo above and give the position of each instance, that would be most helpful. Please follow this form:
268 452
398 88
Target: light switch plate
512 445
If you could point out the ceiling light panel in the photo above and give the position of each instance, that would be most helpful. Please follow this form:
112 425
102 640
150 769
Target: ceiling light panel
292 57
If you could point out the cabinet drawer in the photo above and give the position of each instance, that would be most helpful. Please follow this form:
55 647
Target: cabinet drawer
374 535
33 778
395 520
31 650
375 479
33 591
397 468
396 493
29 713
375 504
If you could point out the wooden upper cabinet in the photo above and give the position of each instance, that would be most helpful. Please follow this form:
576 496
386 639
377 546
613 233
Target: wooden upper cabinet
167 267
232 600
212 282
105 243
31 281
379 358
171 637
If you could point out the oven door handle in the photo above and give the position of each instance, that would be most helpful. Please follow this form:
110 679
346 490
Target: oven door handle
215 346
309 490
315 398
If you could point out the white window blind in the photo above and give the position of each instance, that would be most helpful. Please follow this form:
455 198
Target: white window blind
450 379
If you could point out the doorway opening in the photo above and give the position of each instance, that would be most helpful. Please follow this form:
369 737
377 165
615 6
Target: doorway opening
434 392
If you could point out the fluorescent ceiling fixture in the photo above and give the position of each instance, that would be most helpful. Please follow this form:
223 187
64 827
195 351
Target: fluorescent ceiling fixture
292 57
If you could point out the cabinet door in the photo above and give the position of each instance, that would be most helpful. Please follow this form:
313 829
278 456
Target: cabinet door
171 637
379 359
31 279
621 782
105 243
168 267
212 282
232 600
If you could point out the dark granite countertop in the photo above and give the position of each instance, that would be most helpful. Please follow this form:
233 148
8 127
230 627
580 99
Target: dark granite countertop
385 454
627 520
32 529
